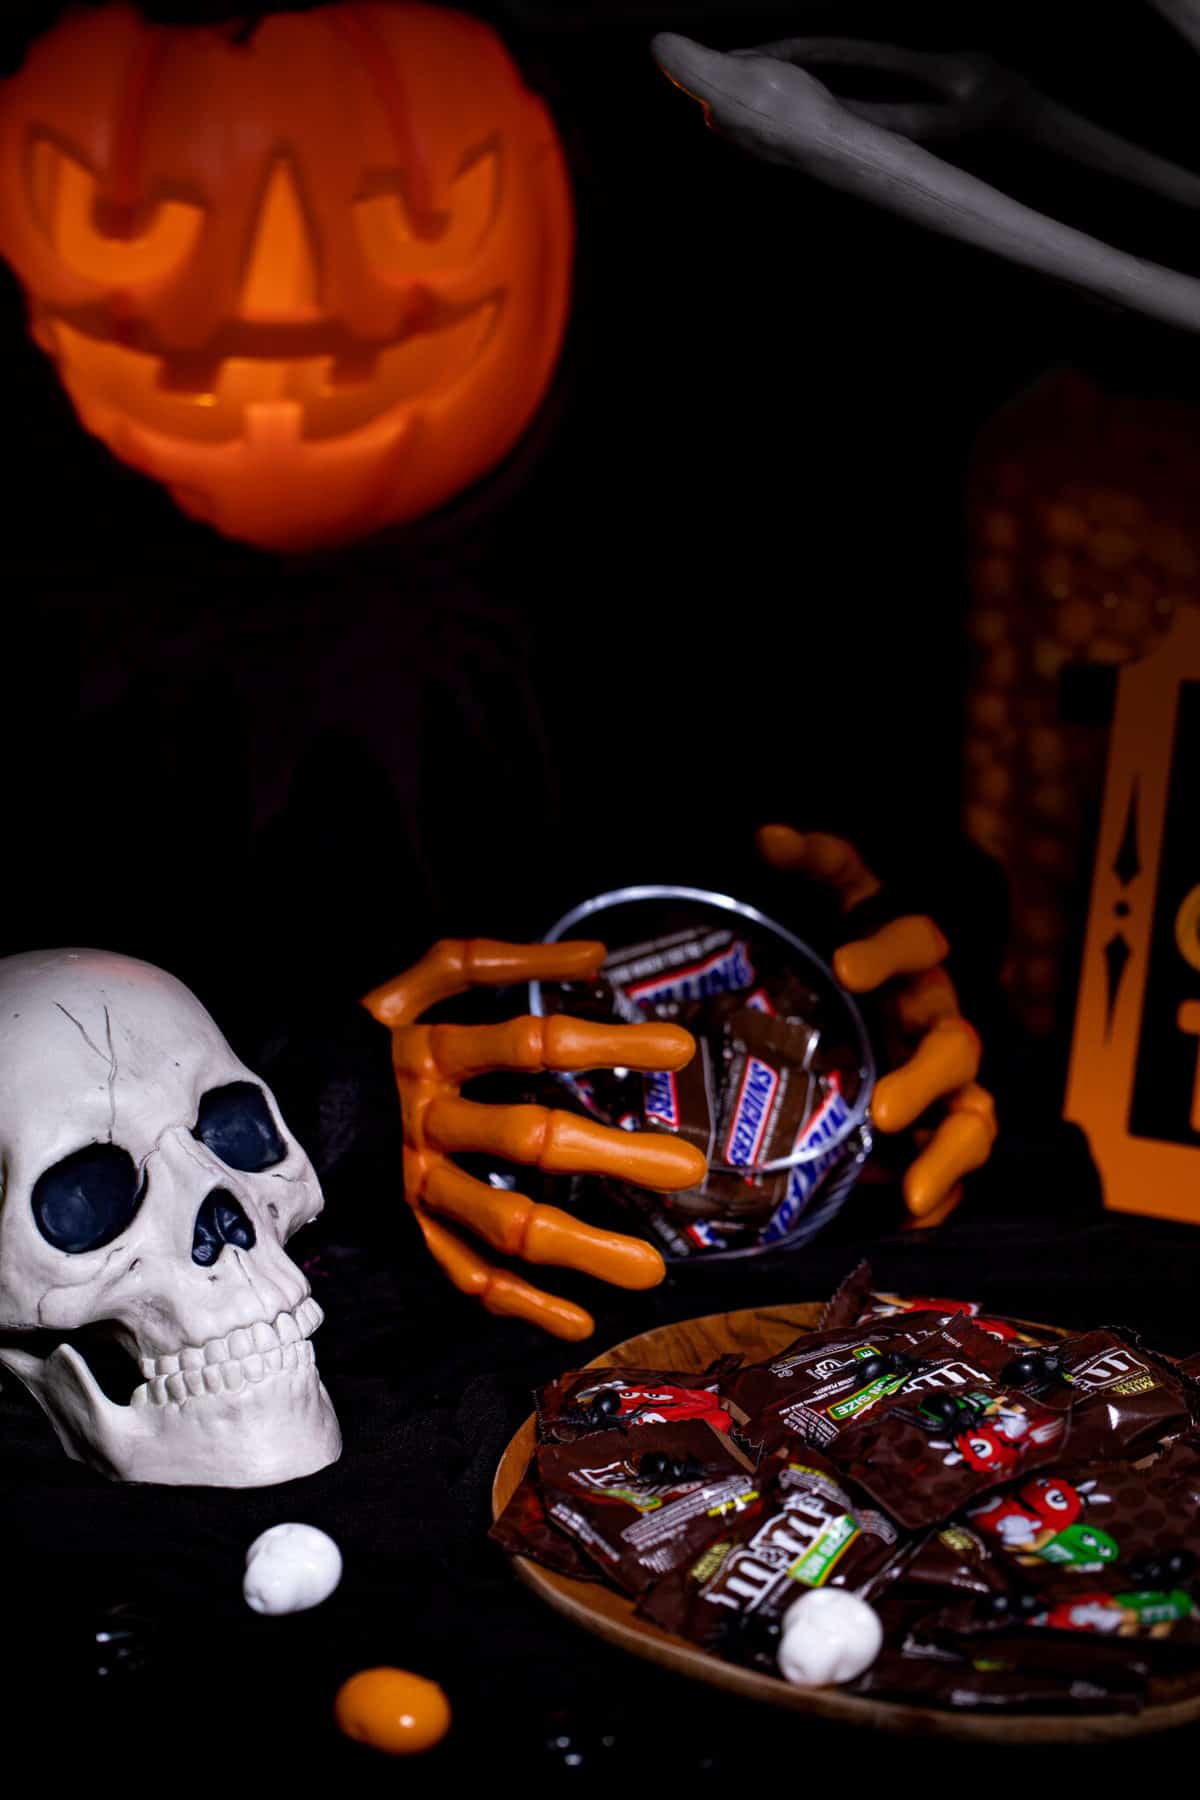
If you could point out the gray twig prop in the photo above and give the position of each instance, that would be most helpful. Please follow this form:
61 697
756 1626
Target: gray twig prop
767 103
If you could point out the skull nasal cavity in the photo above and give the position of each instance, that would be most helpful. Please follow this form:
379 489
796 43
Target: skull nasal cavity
281 271
220 1221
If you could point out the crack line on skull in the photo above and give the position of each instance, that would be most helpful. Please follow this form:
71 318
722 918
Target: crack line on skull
251 1279
204 1160
112 1076
109 1057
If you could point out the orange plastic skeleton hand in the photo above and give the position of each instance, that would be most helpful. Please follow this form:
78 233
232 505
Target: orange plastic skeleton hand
910 952
431 1061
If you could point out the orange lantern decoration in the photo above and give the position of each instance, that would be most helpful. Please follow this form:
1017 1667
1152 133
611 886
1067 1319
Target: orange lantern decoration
1084 549
1135 1060
314 282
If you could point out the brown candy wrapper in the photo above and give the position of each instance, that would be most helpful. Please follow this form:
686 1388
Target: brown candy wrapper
683 1102
955 1683
589 1400
857 1302
768 1096
953 1589
805 1531
743 1100
778 995
524 1530
1111 1547
764 1085
954 1431
1021 1507
694 964
640 1503
948 1564
1125 1399
825 1379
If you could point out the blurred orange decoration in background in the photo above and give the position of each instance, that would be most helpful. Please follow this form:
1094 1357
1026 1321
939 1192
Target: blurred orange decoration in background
315 281
1084 541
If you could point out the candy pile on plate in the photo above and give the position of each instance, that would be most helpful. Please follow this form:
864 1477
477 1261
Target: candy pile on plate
913 1501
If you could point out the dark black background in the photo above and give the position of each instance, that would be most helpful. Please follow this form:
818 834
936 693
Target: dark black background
720 581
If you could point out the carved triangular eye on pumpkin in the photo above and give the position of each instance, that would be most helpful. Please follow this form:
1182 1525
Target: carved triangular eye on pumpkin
315 283
400 241
65 197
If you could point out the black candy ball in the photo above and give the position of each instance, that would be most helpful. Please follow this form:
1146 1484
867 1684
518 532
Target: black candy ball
607 1402
1014 1605
580 1743
1044 1366
942 1406
122 1640
656 1465
873 1368
1181 1564
752 1639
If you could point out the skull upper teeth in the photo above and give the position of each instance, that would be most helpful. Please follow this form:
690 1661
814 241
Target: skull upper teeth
250 1353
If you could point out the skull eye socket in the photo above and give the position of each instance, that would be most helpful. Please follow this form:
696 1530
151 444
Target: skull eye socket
66 200
236 1124
88 1198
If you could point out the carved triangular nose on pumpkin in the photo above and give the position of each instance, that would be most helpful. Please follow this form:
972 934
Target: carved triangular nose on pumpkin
280 283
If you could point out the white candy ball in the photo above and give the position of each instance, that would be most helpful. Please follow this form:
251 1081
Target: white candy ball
828 1636
290 1568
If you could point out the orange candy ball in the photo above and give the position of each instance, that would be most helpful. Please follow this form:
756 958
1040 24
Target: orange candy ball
392 1710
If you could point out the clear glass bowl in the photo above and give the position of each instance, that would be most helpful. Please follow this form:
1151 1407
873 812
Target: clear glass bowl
826 1160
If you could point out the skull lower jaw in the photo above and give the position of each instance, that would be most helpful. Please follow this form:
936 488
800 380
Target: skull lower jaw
270 1431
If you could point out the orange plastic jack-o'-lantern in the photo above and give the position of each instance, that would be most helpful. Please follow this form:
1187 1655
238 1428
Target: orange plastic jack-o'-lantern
315 282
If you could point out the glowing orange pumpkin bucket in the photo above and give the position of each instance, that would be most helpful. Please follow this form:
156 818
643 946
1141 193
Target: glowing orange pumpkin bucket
315 283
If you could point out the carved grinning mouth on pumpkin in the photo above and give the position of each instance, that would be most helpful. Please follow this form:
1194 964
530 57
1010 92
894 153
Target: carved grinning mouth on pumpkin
316 393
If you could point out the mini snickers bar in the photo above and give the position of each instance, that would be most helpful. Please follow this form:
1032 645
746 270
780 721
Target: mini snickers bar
803 1181
764 1084
751 1113
681 1100
688 965
769 1094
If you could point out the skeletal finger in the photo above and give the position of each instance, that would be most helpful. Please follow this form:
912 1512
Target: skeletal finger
938 1214
975 1099
516 1226
947 1058
499 1291
833 861
925 999
562 1144
456 964
460 1051
904 947
962 1142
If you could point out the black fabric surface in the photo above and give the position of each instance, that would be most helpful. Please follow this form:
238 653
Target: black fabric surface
429 1389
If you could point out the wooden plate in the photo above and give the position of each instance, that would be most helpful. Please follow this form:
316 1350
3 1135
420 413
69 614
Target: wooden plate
694 1344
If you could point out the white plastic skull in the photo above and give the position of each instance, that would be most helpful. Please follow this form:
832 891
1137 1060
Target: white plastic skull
148 1185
